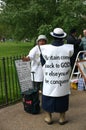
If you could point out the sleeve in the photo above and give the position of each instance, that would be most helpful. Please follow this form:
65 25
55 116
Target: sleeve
81 46
78 41
32 53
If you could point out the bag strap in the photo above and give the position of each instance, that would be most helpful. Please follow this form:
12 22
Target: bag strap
42 60
39 49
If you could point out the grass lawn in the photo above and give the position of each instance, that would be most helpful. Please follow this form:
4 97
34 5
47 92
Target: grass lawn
9 87
8 49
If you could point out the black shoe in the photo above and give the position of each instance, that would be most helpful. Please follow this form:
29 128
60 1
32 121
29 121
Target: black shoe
63 123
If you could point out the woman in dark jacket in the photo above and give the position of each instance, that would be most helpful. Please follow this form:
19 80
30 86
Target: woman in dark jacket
72 39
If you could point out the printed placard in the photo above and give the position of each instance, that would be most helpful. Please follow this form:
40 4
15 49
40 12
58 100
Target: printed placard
24 74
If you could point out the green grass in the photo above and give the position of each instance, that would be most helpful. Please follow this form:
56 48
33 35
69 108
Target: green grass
8 49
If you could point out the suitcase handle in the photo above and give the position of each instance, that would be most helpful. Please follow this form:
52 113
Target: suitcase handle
33 79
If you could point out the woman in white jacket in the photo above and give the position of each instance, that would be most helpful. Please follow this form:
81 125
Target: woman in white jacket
56 86
36 67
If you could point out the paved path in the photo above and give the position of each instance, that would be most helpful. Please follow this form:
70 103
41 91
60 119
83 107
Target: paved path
15 118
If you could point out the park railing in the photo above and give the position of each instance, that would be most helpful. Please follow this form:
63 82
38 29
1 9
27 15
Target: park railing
9 84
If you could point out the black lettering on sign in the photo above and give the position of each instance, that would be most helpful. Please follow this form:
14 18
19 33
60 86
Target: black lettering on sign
24 75
49 66
65 64
46 81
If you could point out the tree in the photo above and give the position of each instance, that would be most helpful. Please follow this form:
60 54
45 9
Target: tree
29 18
71 13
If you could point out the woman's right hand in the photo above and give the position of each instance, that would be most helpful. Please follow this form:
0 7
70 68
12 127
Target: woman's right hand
25 59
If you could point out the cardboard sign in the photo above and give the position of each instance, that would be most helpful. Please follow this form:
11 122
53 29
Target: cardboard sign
82 67
24 75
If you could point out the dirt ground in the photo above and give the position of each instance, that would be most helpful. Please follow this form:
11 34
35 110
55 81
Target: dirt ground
15 118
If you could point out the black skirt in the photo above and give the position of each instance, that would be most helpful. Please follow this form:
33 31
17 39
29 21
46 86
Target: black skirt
55 104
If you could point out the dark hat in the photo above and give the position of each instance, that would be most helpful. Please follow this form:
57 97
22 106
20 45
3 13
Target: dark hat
73 30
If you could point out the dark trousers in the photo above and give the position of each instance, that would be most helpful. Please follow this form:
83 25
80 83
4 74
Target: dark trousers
38 85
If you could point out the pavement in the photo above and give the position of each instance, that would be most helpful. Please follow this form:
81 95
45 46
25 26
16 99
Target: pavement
15 118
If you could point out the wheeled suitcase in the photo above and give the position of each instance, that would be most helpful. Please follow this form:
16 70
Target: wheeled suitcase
31 100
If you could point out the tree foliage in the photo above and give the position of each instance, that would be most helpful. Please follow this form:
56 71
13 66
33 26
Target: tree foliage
29 18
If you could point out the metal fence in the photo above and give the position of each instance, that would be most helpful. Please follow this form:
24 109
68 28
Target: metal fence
9 85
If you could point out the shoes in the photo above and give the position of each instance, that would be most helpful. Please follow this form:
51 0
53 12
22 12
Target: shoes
63 123
62 120
48 118
49 122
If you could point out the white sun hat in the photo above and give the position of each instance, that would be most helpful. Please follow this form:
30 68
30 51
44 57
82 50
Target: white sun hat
41 37
58 33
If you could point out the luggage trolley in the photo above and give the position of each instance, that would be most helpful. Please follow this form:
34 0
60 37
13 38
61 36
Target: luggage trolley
30 94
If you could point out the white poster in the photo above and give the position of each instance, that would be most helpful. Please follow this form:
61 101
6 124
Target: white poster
56 69
24 74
